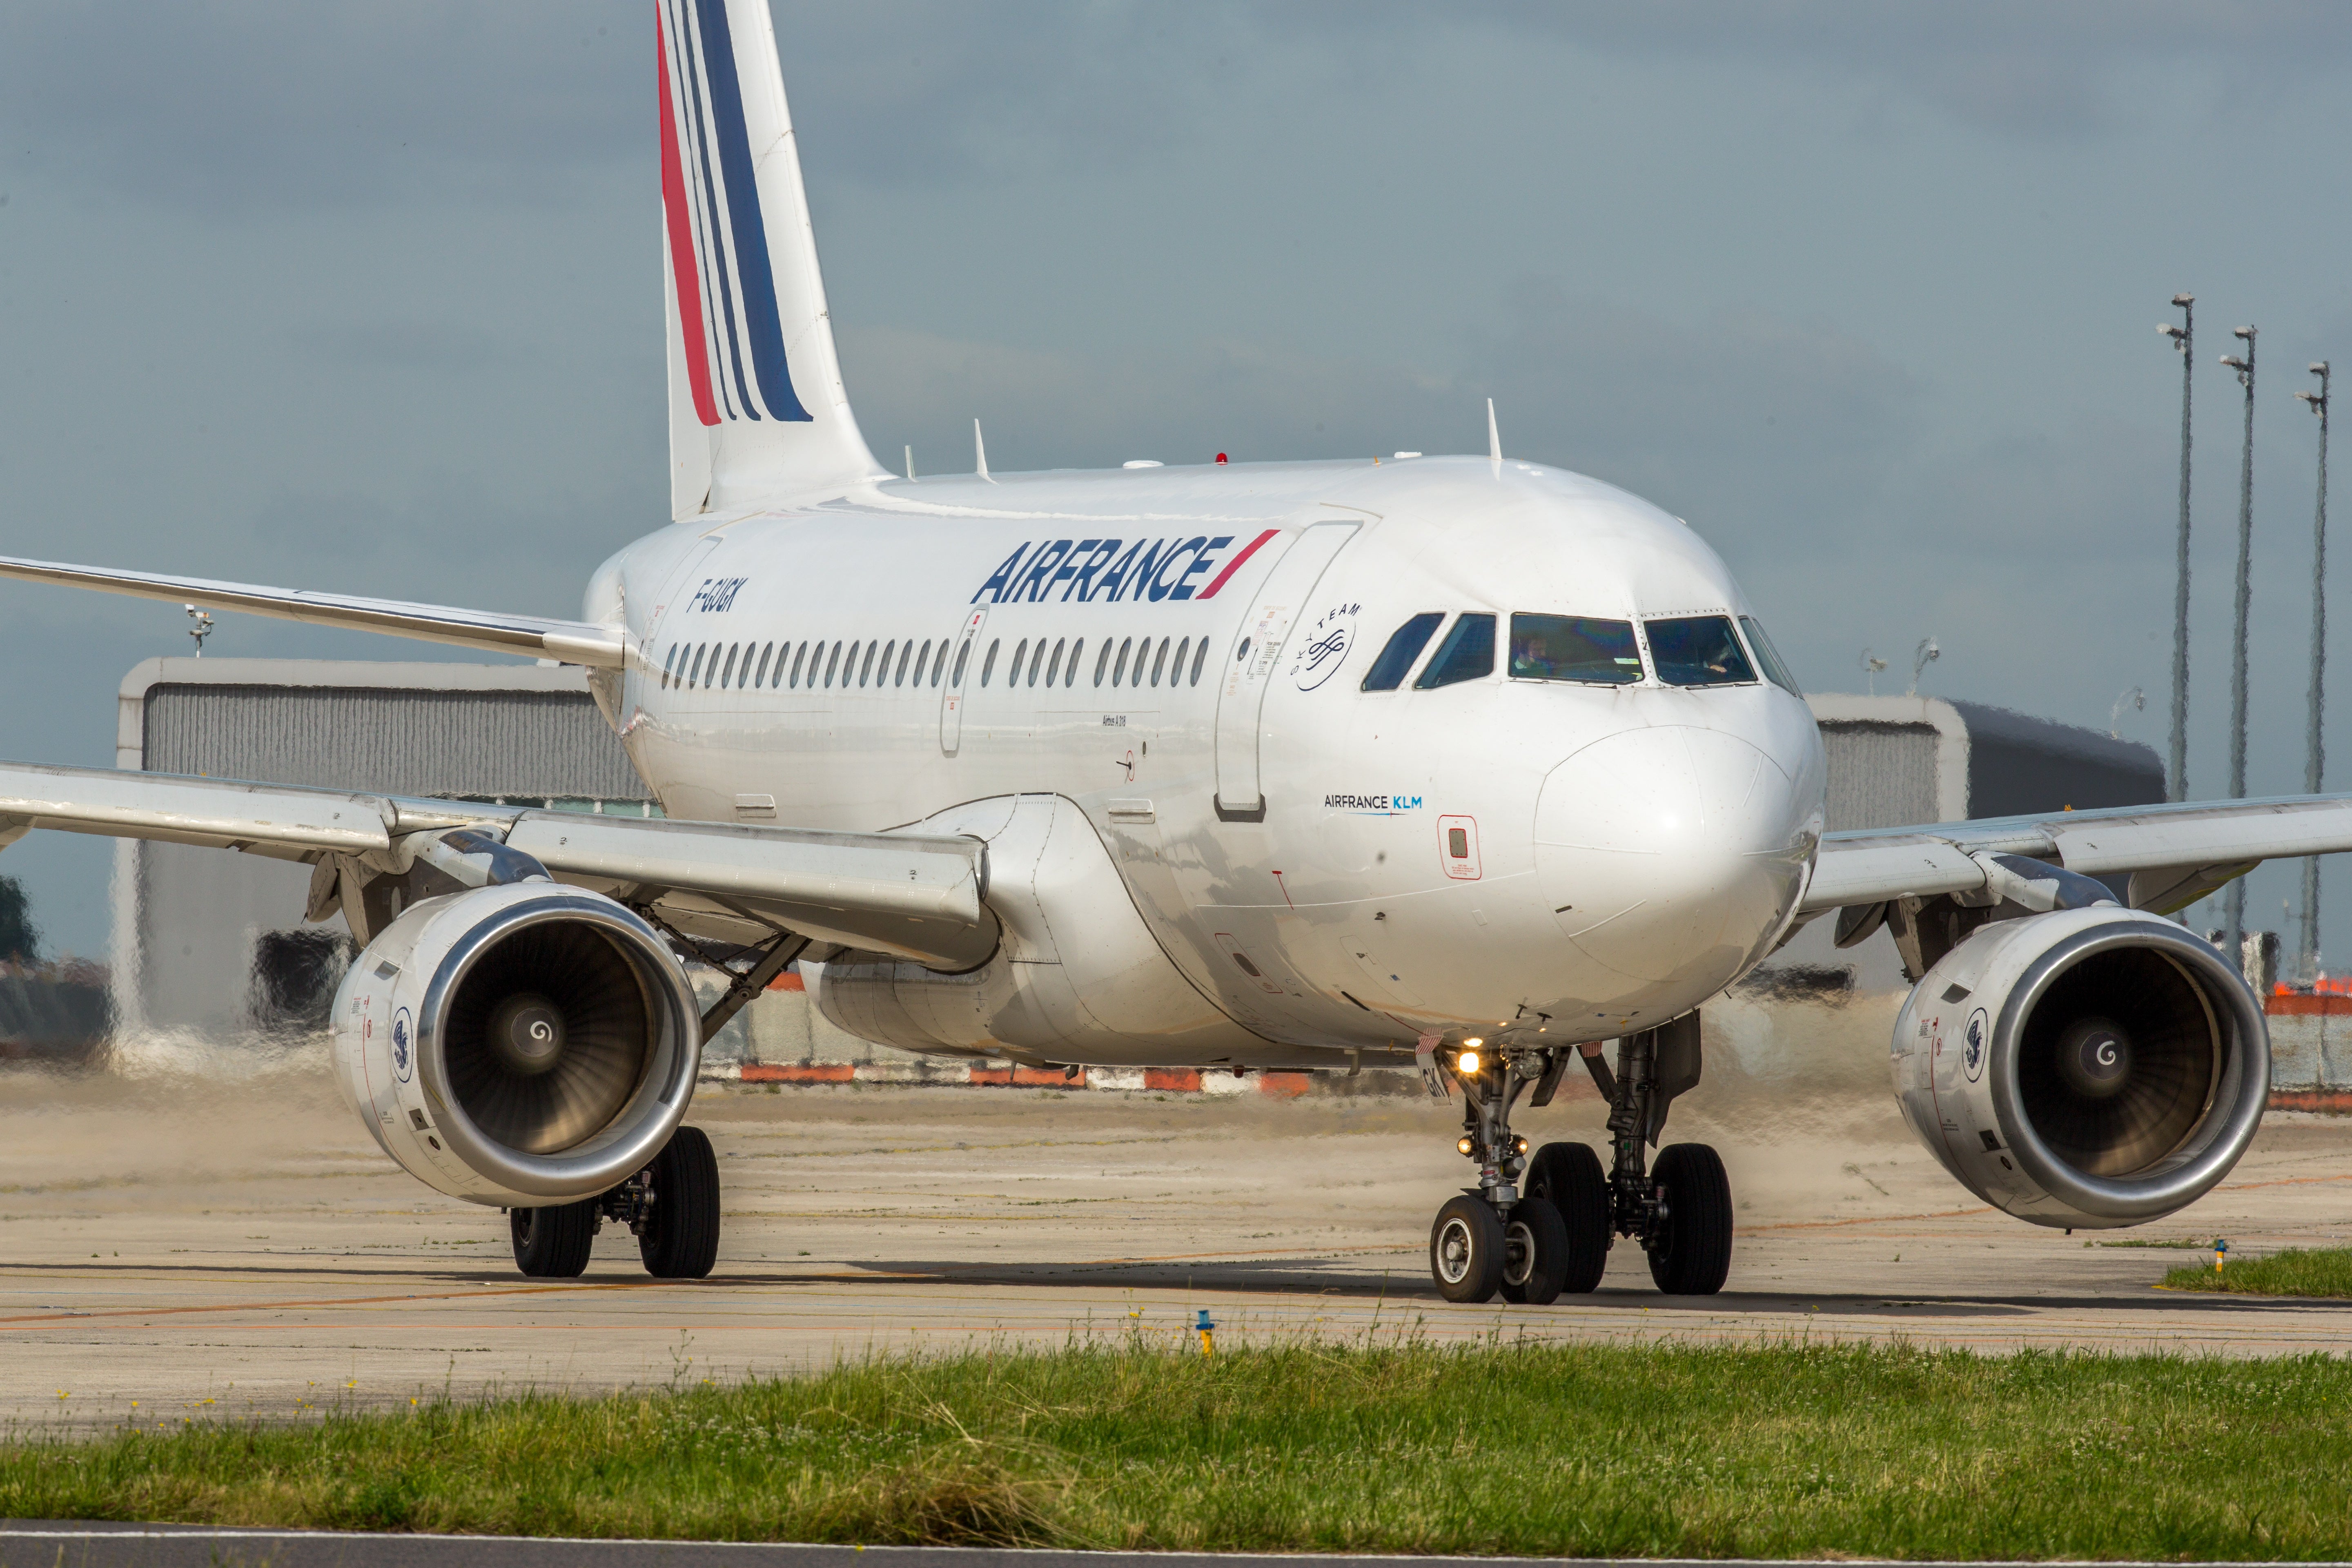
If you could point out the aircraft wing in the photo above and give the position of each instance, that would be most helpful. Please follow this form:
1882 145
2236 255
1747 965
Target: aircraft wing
917 896
2173 855
572 642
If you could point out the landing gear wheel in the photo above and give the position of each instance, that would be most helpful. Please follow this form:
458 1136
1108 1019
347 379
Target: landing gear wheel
1690 1251
552 1243
1569 1176
1534 1253
680 1238
1465 1250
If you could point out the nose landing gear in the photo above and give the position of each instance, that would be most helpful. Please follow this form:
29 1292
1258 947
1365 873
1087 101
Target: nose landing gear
1554 1237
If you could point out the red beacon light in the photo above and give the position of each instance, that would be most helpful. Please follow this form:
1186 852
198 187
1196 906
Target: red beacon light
1221 456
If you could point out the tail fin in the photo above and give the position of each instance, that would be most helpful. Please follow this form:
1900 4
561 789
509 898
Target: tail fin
756 406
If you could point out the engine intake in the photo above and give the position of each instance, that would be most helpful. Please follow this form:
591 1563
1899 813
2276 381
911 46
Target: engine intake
2093 1067
518 1044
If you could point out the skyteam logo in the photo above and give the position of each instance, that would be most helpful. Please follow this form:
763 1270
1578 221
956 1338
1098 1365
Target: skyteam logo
718 240
1107 571
404 1044
1325 647
1972 1046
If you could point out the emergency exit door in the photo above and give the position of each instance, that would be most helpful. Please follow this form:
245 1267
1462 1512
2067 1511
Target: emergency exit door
1252 661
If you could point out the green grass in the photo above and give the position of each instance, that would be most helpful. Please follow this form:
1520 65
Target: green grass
1502 1448
2297 1271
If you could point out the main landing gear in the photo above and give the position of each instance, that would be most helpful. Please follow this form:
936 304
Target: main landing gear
672 1206
1531 1243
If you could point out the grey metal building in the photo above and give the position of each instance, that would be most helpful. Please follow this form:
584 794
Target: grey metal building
214 942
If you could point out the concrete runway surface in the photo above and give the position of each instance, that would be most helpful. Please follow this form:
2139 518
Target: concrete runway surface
221 1239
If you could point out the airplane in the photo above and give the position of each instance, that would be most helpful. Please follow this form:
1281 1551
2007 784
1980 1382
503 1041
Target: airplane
1464 764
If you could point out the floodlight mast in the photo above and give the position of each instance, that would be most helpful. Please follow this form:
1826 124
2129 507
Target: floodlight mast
2233 905
2183 338
2314 756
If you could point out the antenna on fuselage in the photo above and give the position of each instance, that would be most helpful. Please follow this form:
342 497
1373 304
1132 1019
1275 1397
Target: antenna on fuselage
910 464
980 451
1494 438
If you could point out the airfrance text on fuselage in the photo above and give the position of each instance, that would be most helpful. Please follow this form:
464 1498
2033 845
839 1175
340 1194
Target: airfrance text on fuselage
1107 570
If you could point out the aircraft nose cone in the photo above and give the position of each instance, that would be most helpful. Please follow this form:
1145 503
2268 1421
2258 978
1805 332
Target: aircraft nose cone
1670 853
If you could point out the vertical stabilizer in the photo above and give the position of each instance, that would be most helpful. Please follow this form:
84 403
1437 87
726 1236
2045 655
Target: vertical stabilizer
757 411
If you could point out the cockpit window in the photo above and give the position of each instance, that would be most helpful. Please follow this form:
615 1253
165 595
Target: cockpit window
1571 648
1466 654
1698 650
1776 668
1389 670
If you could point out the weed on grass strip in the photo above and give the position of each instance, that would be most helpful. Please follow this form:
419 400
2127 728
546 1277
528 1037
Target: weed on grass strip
2297 1271
1569 1450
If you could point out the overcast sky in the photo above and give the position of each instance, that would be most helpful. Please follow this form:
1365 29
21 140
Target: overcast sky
368 298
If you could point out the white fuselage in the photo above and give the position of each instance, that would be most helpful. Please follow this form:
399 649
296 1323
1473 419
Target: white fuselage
1288 837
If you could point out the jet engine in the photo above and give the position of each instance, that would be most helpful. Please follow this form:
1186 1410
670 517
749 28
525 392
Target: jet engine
520 1045
2090 1067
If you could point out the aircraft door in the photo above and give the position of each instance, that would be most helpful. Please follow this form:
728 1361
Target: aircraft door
1250 666
952 700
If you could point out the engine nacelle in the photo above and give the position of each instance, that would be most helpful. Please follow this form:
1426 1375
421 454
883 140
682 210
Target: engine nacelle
2094 1068
518 1044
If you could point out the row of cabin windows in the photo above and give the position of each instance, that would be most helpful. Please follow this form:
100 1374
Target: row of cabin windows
1685 650
1128 662
695 666
700 665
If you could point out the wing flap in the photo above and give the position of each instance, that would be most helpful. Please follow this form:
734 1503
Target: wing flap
572 642
2175 854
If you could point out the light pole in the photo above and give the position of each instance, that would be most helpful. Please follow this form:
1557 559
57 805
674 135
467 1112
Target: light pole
2234 917
1926 653
2182 338
1871 665
2314 763
2133 700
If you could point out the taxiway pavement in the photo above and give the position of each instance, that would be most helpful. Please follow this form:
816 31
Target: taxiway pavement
178 1246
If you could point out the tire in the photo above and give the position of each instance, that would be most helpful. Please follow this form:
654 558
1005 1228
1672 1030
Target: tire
1465 1250
679 1239
1534 1253
1690 1254
552 1243
1568 1176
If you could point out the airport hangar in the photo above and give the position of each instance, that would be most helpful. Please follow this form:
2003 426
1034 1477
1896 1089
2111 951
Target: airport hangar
212 946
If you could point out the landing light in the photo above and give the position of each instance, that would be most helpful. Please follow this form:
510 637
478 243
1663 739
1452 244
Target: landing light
1464 1145
1467 1062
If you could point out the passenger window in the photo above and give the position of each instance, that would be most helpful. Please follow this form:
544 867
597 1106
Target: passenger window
798 655
921 659
727 676
1466 654
784 656
1054 671
1776 668
1200 658
1013 672
832 663
906 651
888 649
1160 661
964 654
1142 652
1571 648
670 659
1176 670
696 670
1404 646
1698 650
765 654
1120 673
1102 661
988 664
1076 649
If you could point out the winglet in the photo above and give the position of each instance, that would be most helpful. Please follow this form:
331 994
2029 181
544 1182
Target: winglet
1494 436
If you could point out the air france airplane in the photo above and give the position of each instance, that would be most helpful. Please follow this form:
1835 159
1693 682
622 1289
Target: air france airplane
1465 765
